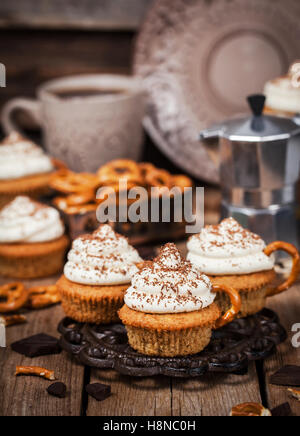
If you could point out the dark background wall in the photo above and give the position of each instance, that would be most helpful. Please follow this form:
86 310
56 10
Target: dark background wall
44 39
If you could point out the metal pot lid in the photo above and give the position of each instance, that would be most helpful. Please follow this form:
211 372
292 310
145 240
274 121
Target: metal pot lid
258 128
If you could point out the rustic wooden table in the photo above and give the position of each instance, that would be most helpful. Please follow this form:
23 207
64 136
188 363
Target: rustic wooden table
211 395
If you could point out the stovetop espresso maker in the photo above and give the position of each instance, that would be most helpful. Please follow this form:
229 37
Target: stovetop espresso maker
259 169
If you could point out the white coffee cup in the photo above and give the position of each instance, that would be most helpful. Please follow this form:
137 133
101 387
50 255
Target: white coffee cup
82 127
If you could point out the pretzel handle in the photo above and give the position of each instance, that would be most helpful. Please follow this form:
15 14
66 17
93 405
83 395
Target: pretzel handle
236 304
294 253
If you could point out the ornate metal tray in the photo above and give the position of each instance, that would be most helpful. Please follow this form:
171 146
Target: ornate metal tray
230 351
199 59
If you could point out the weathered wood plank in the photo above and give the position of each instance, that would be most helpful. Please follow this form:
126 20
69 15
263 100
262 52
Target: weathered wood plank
90 14
131 396
27 396
287 306
214 394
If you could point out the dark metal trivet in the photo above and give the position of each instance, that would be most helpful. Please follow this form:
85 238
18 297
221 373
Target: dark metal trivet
229 351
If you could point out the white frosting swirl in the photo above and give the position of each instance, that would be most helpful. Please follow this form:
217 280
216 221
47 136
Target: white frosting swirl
20 158
26 221
228 249
102 258
281 95
169 285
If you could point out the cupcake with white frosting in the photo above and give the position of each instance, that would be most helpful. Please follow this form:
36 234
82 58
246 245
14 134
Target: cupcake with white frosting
283 93
234 256
24 169
169 308
98 272
32 240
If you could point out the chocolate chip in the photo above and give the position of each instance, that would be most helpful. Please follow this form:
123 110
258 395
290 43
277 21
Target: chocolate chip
282 410
37 345
98 391
57 389
287 376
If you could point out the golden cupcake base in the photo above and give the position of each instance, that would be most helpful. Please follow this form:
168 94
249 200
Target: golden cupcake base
251 287
91 304
169 344
33 261
169 335
35 186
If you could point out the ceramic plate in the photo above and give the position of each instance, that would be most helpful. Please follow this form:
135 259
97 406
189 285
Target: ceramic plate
199 59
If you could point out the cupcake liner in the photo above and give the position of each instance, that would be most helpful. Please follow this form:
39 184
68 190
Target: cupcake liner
32 267
253 301
168 335
34 193
251 287
166 343
95 306
245 282
103 311
32 186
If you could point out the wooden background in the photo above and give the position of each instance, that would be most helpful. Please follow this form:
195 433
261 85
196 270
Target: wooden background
42 39
88 14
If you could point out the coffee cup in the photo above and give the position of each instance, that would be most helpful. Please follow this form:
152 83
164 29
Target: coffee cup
86 120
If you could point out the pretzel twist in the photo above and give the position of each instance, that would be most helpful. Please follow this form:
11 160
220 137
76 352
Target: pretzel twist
67 182
16 297
43 296
105 192
146 168
158 178
118 169
181 181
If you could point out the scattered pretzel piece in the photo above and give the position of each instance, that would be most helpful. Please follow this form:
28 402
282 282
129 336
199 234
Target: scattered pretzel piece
43 296
295 393
250 409
35 370
16 297
14 320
